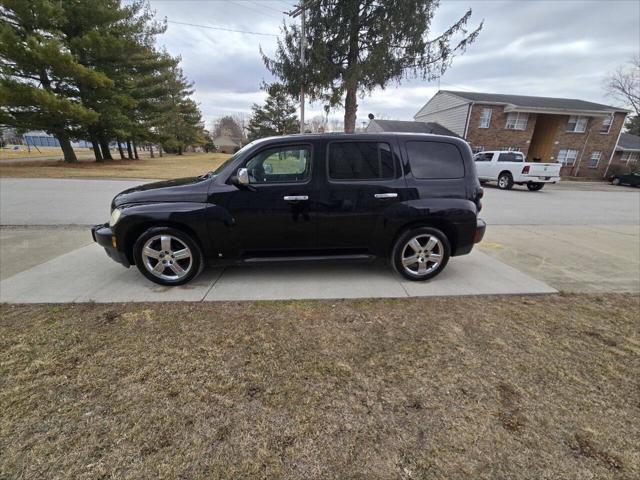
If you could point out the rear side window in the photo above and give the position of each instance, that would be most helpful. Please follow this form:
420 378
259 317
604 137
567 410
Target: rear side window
360 161
511 157
435 160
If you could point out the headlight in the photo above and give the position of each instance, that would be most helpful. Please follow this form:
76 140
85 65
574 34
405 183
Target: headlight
115 216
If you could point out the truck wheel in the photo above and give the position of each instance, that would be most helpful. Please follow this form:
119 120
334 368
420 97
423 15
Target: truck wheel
420 253
615 181
167 256
535 186
505 181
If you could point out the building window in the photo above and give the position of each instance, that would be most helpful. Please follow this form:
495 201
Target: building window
485 118
606 124
577 124
595 159
477 149
630 157
567 157
511 149
517 121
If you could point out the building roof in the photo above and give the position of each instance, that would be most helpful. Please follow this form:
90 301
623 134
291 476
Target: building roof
413 127
225 141
628 142
535 103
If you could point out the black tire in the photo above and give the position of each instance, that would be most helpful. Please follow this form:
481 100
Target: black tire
442 248
535 186
177 237
615 181
505 181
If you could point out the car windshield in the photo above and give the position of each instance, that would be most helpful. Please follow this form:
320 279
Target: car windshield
224 164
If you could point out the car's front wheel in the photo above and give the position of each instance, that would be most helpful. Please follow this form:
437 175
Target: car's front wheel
421 253
167 256
615 181
535 186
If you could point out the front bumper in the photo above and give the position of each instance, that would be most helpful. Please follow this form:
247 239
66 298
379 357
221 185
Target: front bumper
106 238
481 227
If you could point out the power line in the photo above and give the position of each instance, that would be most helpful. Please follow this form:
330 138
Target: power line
223 28
253 9
264 5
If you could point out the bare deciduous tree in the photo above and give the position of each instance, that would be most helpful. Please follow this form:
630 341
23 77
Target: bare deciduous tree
624 84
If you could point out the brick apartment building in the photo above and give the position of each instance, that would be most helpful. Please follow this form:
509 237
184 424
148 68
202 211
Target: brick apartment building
581 135
627 156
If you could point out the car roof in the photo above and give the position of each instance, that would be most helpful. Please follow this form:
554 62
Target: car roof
340 136
498 151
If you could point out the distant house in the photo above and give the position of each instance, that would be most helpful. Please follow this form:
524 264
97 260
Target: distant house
581 135
226 144
627 152
377 126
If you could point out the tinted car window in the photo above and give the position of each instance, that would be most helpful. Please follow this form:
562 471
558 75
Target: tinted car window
435 160
360 161
511 157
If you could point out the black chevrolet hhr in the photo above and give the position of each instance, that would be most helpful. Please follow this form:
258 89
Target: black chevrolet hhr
412 198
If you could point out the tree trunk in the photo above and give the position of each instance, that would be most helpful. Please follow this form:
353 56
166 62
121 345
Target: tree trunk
96 148
151 151
160 150
104 146
135 151
120 149
180 150
350 110
67 149
129 152
350 78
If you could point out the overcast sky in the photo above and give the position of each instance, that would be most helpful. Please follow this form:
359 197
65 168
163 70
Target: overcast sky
557 48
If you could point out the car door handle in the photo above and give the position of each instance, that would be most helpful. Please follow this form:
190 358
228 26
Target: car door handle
386 195
296 198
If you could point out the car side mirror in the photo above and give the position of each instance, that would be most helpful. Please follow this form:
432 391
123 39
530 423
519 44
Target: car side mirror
241 179
243 176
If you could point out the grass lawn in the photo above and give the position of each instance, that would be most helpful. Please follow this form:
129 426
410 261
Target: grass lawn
482 388
167 167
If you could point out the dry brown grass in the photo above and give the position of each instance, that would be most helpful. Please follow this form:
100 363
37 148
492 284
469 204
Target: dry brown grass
167 167
482 388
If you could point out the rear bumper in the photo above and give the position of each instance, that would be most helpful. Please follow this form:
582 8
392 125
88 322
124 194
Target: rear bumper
481 227
534 179
106 238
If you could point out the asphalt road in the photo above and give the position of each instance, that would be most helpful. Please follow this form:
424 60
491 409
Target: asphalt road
574 237
86 202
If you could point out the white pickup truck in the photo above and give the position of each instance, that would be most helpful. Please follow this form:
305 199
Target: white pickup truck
509 168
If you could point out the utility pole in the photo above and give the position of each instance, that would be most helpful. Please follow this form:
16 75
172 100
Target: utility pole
300 10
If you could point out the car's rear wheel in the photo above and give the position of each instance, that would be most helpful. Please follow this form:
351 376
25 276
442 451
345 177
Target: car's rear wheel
505 181
421 253
167 256
535 186
615 181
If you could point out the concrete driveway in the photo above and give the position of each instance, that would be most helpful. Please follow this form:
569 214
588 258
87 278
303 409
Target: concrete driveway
536 242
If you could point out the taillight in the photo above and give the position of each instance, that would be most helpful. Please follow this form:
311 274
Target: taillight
525 169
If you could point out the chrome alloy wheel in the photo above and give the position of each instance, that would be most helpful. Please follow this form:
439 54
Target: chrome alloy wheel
422 255
167 257
503 181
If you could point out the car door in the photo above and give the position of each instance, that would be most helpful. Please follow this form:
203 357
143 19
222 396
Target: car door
360 180
483 164
275 215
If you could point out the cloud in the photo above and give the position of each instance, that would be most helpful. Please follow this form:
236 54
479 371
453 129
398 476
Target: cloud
549 48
